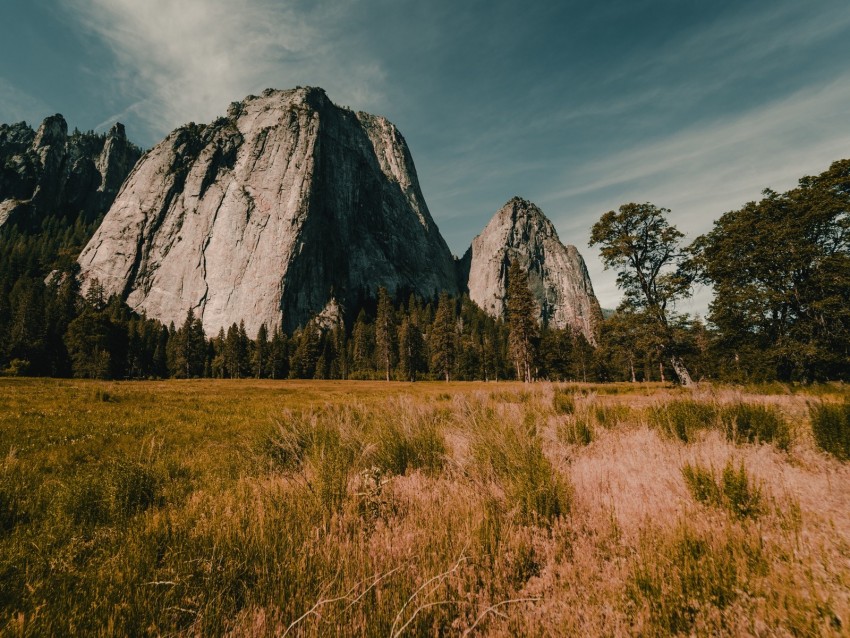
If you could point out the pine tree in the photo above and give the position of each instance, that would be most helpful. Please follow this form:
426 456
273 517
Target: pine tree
522 322
305 359
87 340
232 352
441 341
261 352
279 355
363 344
411 349
385 332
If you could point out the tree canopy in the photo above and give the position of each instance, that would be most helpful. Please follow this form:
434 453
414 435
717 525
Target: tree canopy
780 268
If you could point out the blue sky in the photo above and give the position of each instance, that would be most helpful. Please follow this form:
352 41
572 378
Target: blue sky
578 106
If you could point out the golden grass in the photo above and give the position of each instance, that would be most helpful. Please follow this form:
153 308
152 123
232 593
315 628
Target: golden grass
366 508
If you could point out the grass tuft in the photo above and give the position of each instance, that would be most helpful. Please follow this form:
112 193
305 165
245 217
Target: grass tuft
734 490
563 401
513 456
756 423
681 577
831 428
684 418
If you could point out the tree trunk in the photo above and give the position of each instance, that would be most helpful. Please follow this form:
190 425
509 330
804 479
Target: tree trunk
681 371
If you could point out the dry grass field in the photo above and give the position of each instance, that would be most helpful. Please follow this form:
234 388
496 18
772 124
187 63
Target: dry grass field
383 509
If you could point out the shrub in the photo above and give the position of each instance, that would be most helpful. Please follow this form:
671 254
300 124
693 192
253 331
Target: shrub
831 428
683 419
752 422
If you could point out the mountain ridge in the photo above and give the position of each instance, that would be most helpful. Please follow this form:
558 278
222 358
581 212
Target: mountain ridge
326 200
286 205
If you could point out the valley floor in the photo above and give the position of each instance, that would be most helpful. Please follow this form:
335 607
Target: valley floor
253 508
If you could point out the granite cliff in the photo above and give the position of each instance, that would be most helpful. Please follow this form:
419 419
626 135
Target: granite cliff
287 204
557 274
49 172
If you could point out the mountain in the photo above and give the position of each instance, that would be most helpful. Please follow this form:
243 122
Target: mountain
557 273
268 215
49 172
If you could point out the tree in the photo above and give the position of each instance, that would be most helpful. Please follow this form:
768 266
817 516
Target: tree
363 344
780 269
236 355
556 352
305 359
385 332
279 355
442 338
522 322
88 340
261 352
190 349
651 267
411 349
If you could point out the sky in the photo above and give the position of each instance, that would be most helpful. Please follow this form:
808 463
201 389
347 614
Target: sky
577 106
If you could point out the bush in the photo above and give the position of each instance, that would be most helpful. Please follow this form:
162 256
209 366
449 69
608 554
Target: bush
831 428
752 422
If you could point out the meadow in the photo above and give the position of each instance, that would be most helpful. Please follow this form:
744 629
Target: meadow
302 508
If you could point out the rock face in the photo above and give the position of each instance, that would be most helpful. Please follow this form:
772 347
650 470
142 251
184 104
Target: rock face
267 214
557 274
48 172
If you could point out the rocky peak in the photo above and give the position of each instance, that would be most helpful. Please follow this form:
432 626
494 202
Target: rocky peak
117 132
15 138
52 132
48 172
262 213
557 274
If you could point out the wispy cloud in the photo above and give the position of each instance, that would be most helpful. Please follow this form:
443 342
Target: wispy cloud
181 61
705 170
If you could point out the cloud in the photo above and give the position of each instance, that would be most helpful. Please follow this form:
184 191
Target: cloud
707 169
187 60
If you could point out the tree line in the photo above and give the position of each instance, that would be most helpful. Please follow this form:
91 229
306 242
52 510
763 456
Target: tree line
779 268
